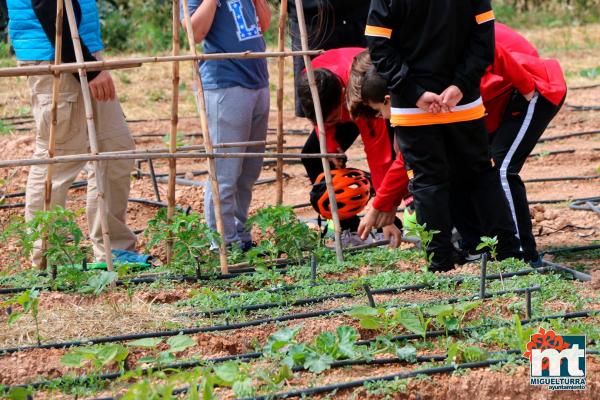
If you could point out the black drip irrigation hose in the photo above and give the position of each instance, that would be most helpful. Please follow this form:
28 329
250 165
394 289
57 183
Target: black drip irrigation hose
578 107
586 206
257 355
582 314
562 178
280 264
570 250
314 300
567 135
205 329
557 201
584 87
386 378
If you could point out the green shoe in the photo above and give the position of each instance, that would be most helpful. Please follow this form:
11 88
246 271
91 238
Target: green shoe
409 220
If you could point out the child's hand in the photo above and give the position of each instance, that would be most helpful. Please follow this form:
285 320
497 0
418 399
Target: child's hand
339 163
430 102
450 98
393 234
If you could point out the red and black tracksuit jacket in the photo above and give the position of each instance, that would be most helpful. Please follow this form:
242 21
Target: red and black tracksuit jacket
388 175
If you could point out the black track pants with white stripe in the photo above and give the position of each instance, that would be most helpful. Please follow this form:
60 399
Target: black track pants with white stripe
523 124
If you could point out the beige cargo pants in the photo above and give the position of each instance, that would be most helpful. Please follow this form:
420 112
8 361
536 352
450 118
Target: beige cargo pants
72 138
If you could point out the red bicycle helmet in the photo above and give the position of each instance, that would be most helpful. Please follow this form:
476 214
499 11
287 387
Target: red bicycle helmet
352 192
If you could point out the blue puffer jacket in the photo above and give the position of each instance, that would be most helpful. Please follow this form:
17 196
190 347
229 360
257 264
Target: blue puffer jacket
29 39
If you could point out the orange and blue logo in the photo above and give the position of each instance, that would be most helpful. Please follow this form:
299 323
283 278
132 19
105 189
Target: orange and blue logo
557 361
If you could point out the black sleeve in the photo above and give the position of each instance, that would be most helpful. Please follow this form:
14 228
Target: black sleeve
480 49
390 64
45 10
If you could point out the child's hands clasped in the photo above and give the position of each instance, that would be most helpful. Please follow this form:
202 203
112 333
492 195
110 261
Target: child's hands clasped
440 103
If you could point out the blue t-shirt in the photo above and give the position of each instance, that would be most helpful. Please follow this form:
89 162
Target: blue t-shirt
235 29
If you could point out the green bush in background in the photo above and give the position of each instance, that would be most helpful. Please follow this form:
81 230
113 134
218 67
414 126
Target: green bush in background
530 13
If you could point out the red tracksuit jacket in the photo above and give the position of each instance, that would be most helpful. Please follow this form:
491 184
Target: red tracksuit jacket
388 176
517 65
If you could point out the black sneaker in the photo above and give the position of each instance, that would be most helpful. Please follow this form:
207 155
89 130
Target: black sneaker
249 245
456 258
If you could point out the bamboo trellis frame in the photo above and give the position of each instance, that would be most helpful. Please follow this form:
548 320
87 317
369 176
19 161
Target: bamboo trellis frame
53 123
100 171
173 153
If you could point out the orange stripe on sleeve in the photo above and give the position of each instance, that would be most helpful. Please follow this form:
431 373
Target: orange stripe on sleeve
485 17
378 31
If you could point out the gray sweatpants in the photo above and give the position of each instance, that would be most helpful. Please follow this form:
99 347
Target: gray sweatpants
236 114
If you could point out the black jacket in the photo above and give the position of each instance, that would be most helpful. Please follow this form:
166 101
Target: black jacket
428 45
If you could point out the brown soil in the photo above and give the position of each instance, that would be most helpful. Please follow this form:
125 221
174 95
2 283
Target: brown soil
77 316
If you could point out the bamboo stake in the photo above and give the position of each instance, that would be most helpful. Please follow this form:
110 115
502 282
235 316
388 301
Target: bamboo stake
155 156
283 11
321 125
139 61
93 139
174 124
54 113
212 167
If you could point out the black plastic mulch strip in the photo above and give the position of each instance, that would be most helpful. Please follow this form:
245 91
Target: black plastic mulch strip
563 178
566 136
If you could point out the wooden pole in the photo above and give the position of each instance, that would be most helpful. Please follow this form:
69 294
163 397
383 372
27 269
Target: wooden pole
155 156
53 123
174 124
212 167
93 139
135 62
283 13
321 125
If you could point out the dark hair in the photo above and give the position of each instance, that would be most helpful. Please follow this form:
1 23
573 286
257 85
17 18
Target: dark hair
374 87
330 93
364 85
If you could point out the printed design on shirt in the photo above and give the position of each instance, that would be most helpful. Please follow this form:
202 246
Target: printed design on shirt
244 32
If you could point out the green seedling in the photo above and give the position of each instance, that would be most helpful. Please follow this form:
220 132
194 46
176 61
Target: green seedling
460 352
425 236
99 282
192 241
387 320
451 316
317 356
177 344
490 243
29 301
283 233
58 226
97 356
